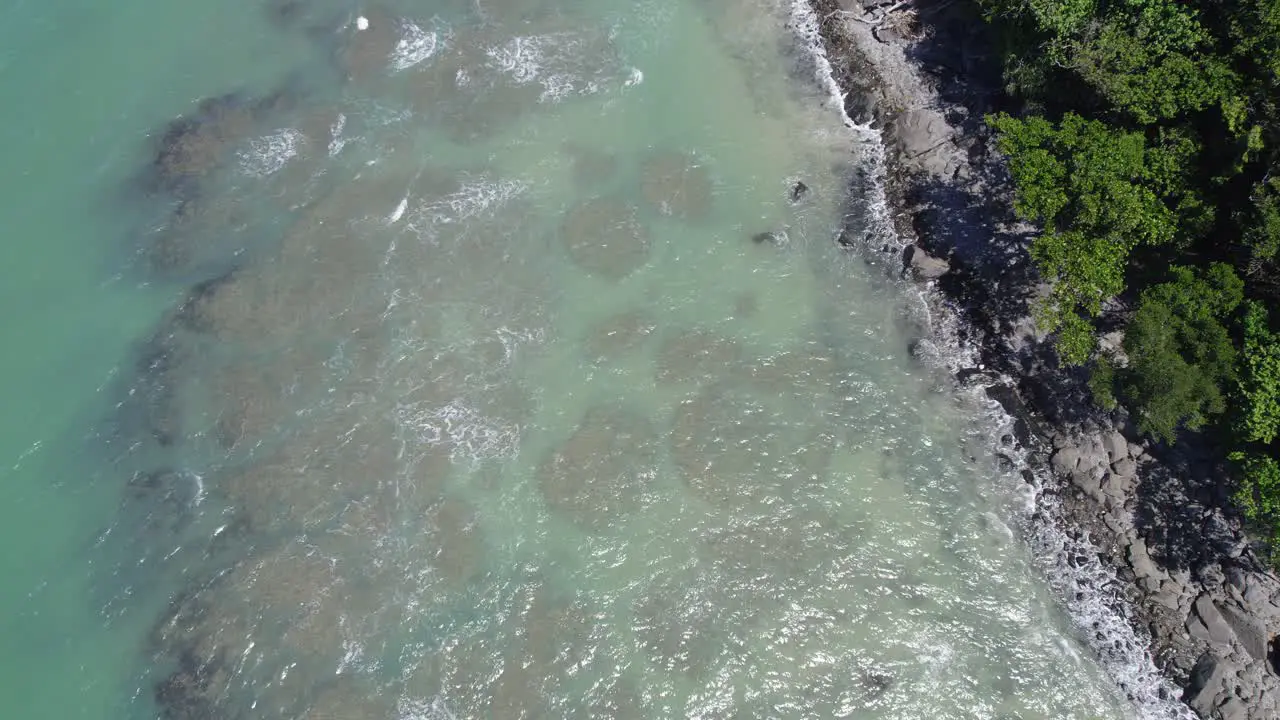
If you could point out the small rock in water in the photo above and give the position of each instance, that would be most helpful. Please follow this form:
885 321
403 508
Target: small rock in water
798 191
773 237
876 683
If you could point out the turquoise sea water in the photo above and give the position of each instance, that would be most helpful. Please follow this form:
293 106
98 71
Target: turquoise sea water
436 366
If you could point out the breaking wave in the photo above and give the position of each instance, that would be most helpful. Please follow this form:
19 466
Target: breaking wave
415 46
269 153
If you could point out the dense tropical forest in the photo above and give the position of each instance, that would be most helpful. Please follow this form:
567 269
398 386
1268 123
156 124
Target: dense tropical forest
1148 150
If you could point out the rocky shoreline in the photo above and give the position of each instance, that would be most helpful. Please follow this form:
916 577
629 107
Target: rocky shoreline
1173 557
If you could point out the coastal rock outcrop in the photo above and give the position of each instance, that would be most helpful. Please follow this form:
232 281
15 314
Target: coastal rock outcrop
1180 569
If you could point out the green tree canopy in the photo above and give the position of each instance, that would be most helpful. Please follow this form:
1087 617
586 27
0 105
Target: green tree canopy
1260 378
1098 193
1180 351
1258 497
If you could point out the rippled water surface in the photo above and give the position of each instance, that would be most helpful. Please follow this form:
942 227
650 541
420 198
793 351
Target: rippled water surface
480 359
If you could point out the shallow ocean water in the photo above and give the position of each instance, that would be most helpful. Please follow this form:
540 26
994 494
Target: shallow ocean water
435 364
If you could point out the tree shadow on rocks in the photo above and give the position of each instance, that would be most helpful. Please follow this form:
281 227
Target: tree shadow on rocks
959 50
1183 509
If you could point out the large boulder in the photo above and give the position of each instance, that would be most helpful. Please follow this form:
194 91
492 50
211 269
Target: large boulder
1148 573
1116 446
923 266
1252 636
1205 684
1125 467
1066 460
1212 627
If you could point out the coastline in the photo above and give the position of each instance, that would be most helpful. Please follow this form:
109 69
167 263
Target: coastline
1131 533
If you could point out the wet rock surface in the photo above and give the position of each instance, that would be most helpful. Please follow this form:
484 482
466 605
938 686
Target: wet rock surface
1184 574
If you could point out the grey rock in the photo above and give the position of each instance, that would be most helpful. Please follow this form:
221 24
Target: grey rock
1169 595
924 135
1205 683
1251 636
1255 592
1126 467
1218 631
1066 459
1114 523
1233 709
1090 481
1112 345
798 191
887 34
772 237
1196 628
924 266
1117 486
1116 446
1141 562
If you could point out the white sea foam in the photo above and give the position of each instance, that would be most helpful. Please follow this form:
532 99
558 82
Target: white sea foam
563 63
804 23
434 709
398 213
352 653
415 46
468 435
477 196
269 153
336 141
519 57
868 201
1085 588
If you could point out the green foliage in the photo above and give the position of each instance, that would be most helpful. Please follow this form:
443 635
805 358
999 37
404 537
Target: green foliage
1098 193
1254 30
1085 271
1152 80
1148 58
1262 228
1259 378
1157 160
1102 384
1085 175
1180 352
1057 16
1258 497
